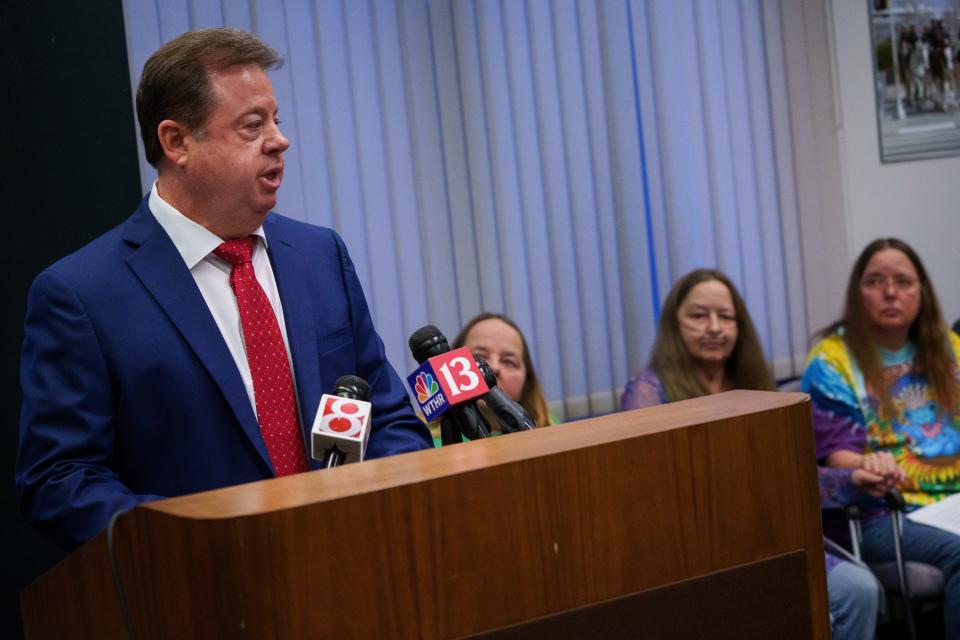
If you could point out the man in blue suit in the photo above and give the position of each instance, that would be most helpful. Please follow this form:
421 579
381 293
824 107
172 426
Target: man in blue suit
156 362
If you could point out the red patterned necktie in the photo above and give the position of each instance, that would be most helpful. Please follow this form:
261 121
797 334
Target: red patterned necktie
267 356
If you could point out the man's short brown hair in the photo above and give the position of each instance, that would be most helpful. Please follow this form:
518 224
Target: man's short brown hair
175 84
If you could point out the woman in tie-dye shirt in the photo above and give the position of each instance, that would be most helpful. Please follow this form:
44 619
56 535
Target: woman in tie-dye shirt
884 380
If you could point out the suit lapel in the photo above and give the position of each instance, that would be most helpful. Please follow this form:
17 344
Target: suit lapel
298 312
161 269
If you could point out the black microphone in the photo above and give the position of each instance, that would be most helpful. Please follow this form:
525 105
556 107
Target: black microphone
353 387
511 415
342 426
462 419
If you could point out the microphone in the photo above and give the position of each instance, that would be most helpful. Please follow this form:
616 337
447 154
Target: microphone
446 385
512 416
342 426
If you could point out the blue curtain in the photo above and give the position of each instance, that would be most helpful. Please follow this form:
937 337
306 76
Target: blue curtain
560 161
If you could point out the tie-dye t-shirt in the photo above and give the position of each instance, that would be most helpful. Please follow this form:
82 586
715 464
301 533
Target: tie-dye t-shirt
923 436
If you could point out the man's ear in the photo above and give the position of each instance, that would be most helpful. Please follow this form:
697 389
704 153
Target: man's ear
174 138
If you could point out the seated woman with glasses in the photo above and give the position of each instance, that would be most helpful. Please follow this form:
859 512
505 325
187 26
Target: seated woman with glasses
705 344
884 380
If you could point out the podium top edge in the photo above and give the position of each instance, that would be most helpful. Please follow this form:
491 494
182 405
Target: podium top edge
314 487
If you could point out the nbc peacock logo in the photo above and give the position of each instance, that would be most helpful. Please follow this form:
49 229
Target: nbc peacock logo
426 387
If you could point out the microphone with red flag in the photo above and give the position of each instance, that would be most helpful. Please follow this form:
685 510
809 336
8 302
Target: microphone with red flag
446 386
445 381
342 426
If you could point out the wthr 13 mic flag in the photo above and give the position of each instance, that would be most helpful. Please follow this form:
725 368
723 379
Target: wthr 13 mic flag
445 381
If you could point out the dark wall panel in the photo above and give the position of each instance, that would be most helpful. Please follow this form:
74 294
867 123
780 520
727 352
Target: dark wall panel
69 174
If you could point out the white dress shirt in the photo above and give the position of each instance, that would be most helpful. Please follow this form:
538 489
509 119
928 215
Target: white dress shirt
212 275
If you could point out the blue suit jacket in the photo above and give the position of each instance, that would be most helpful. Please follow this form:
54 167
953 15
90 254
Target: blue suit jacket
130 392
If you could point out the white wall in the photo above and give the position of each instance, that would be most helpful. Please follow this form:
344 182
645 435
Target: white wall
918 201
810 134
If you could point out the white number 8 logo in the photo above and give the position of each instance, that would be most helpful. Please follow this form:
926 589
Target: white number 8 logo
343 418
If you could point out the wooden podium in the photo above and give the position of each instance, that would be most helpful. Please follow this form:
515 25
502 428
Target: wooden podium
698 519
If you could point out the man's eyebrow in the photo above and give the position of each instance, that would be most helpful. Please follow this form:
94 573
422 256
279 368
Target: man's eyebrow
260 111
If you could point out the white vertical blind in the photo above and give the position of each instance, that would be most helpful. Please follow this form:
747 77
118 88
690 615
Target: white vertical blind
560 161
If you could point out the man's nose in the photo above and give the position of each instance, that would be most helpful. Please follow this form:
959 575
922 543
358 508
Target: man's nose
278 143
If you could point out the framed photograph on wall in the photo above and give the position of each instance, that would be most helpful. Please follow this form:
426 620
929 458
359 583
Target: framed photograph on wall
916 71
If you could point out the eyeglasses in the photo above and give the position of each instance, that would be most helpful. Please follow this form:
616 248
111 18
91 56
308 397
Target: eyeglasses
877 282
702 319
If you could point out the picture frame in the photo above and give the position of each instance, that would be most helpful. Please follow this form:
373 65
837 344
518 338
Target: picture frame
918 98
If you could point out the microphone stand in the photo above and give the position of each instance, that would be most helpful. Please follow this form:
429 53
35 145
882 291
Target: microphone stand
333 457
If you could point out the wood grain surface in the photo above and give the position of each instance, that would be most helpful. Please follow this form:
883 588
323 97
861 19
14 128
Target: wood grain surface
468 538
